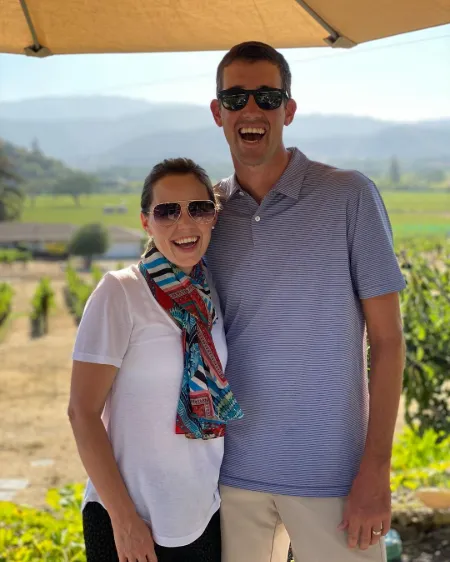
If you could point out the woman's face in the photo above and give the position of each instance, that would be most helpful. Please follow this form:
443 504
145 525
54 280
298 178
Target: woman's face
185 242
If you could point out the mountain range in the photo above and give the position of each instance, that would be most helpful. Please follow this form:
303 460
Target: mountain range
100 132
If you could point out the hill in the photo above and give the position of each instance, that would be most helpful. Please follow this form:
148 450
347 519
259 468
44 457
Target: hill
31 164
97 132
71 108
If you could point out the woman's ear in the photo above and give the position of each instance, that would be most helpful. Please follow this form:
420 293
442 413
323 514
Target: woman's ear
146 223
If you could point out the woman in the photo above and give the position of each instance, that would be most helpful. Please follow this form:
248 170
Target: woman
149 402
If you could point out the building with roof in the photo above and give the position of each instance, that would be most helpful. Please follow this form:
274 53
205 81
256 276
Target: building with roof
51 239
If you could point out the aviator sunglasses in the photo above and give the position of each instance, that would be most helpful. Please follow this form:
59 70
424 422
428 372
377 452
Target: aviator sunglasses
167 214
236 99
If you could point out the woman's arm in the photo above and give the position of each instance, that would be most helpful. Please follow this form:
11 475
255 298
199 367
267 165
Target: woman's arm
90 386
91 383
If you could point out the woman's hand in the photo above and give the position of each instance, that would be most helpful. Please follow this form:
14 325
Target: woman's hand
134 541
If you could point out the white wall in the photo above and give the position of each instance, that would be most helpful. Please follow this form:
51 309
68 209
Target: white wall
123 250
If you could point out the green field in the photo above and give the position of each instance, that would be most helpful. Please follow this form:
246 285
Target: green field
412 214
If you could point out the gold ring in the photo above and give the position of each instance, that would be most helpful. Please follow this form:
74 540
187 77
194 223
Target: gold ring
376 532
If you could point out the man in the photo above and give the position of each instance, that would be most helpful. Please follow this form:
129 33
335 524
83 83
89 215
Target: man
303 262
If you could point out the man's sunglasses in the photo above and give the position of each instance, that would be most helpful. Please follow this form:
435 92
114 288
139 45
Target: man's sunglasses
167 214
236 99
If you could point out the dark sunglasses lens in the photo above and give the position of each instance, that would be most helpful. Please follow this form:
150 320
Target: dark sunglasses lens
167 213
202 211
269 100
234 102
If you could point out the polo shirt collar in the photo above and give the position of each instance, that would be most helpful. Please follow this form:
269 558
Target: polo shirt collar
289 184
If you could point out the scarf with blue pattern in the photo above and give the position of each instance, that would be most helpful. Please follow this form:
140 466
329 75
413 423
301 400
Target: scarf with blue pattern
206 402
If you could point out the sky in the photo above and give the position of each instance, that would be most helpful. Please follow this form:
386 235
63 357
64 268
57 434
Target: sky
404 78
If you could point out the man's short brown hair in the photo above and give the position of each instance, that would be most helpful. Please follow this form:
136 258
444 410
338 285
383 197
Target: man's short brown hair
254 51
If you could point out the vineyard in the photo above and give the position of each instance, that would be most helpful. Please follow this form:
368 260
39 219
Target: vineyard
41 305
6 295
56 534
78 289
11 256
421 455
426 312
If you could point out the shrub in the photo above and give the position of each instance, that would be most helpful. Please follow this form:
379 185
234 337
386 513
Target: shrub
88 241
420 460
97 274
10 256
42 303
53 535
6 295
77 290
426 312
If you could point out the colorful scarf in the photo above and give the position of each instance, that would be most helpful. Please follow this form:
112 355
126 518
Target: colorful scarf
206 402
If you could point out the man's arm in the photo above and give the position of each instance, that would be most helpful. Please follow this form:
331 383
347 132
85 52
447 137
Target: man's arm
368 506
387 355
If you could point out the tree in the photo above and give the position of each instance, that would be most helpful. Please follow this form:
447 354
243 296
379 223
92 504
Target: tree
36 187
33 164
394 171
433 175
35 147
75 184
88 241
11 196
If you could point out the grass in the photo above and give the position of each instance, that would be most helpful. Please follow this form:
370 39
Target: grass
412 214
404 202
63 210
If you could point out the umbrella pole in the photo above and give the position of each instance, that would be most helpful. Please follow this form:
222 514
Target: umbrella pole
334 39
35 50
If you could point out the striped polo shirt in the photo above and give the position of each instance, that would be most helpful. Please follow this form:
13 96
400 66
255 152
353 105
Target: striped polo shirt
290 274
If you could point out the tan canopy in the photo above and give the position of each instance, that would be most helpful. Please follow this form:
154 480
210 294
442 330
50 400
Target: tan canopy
42 27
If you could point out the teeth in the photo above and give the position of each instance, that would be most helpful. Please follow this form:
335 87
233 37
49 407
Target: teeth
253 130
186 240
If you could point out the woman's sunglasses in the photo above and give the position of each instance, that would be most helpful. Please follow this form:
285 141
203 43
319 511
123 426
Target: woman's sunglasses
236 99
167 214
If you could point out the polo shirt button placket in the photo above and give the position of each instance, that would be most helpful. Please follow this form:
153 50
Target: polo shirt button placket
256 230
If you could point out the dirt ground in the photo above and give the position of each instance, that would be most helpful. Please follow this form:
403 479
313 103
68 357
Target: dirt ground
34 391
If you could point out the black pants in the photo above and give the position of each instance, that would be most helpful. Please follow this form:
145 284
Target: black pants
100 546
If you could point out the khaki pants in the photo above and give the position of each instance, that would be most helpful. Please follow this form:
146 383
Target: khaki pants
257 527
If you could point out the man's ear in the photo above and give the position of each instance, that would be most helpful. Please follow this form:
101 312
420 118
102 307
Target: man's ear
291 108
215 110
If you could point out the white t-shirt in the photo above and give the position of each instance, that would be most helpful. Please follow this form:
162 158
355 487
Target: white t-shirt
172 480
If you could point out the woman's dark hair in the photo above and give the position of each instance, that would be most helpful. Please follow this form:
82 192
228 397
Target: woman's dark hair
254 51
171 167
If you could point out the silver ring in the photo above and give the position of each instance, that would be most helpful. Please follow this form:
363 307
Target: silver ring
376 532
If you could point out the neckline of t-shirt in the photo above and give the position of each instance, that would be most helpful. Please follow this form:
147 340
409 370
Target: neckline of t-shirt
150 294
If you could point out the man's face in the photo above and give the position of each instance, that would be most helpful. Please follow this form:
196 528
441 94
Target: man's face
253 149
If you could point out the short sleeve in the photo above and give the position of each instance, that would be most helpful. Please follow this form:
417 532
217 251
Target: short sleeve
105 328
374 267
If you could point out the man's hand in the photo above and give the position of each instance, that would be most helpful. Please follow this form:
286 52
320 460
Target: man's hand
368 509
